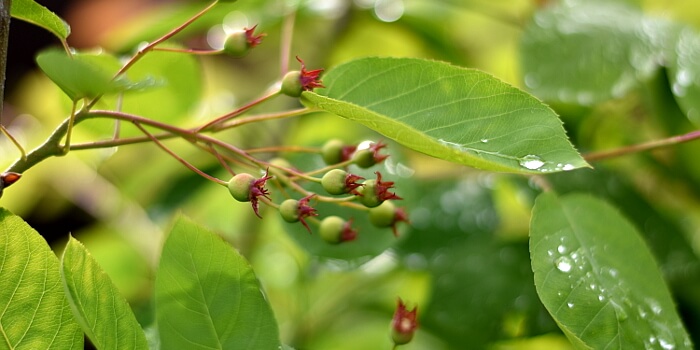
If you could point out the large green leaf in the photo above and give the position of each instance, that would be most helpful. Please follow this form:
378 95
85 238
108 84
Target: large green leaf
35 313
598 279
103 313
480 283
80 75
32 12
461 115
208 297
685 74
585 52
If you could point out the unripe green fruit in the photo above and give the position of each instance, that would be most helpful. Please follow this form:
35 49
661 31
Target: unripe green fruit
369 194
384 215
401 338
331 229
239 186
289 210
364 158
332 151
334 181
236 44
291 84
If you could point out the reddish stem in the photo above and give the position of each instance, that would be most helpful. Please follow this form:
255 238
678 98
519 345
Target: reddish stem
596 156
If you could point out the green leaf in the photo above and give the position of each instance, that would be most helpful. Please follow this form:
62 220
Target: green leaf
35 313
208 297
79 76
598 279
457 114
480 283
32 12
103 313
588 52
685 74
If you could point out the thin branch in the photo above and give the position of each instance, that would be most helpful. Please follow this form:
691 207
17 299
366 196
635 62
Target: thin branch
286 40
262 117
165 37
13 140
236 112
71 123
189 51
180 159
674 140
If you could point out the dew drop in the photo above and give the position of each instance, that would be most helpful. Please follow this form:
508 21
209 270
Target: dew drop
563 264
561 249
532 81
568 167
531 162
601 297
484 140
666 344
570 305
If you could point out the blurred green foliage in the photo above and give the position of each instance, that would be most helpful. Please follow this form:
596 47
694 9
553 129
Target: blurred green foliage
464 258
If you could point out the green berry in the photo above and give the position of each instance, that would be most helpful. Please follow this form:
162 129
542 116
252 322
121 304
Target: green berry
401 338
334 182
331 229
289 210
384 215
332 151
236 44
239 186
364 158
291 84
368 194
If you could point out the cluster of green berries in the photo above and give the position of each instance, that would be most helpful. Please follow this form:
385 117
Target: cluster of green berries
374 194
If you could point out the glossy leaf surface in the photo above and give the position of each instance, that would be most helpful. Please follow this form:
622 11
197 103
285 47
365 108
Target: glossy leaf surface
80 76
598 279
457 114
30 11
588 52
208 297
35 313
103 313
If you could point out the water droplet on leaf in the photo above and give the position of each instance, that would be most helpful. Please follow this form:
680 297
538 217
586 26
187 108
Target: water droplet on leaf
563 264
531 162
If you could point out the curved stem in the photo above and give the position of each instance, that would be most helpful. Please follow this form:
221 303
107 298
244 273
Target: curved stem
13 140
237 112
596 156
262 117
180 159
189 51
71 124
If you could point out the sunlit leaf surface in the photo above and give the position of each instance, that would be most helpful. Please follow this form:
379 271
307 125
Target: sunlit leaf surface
208 297
461 115
103 313
34 312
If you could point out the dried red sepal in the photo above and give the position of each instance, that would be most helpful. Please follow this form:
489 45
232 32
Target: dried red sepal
257 189
309 79
253 40
305 211
404 322
347 152
399 216
375 147
382 189
348 233
351 184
